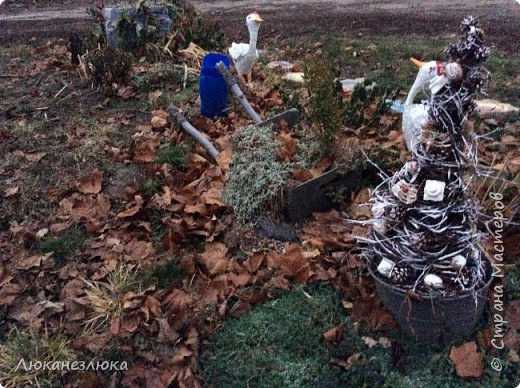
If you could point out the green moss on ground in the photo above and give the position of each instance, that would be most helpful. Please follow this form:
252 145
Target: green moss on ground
279 344
65 244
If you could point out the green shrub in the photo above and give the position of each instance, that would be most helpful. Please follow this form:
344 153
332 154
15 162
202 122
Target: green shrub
364 97
325 103
256 179
205 32
109 66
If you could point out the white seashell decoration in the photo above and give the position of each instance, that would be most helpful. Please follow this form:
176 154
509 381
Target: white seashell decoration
458 262
433 281
385 267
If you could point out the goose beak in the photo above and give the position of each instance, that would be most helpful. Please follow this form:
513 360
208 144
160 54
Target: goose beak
257 18
417 63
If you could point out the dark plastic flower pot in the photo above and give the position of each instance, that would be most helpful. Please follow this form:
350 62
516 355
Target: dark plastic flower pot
433 319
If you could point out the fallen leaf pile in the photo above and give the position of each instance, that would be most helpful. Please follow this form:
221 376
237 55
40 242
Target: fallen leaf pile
97 296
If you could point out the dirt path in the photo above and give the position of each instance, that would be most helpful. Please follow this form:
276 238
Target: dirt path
20 22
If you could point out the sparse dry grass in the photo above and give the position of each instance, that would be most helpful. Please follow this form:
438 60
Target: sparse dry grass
106 298
31 347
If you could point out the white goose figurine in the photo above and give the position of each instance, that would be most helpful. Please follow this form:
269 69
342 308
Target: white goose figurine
245 55
432 74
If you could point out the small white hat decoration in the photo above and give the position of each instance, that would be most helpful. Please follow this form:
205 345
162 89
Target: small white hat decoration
405 192
433 281
434 190
385 267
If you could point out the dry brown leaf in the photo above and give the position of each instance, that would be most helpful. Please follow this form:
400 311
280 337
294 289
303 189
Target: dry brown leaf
138 249
181 353
335 334
11 191
94 342
177 301
158 122
240 308
512 316
153 97
126 92
469 362
212 196
163 200
9 292
90 184
166 333
214 258
129 324
289 146
132 211
198 208
295 265
301 175
513 164
252 264
32 261
36 157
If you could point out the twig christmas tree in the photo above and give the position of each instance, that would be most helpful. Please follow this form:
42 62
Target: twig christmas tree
424 236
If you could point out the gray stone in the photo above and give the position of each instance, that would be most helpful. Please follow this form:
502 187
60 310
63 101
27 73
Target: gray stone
348 85
278 231
487 109
112 15
282 66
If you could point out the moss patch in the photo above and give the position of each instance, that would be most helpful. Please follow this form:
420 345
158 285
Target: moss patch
279 344
65 244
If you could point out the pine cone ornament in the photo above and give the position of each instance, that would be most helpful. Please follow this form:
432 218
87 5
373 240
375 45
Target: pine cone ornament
400 273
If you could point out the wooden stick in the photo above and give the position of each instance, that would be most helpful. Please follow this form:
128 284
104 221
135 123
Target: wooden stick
199 137
233 85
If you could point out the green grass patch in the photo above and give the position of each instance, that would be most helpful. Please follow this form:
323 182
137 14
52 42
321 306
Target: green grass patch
64 244
32 347
163 276
512 283
385 59
151 187
173 154
279 344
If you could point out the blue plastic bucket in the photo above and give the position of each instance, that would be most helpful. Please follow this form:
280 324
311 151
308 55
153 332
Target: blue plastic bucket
213 87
